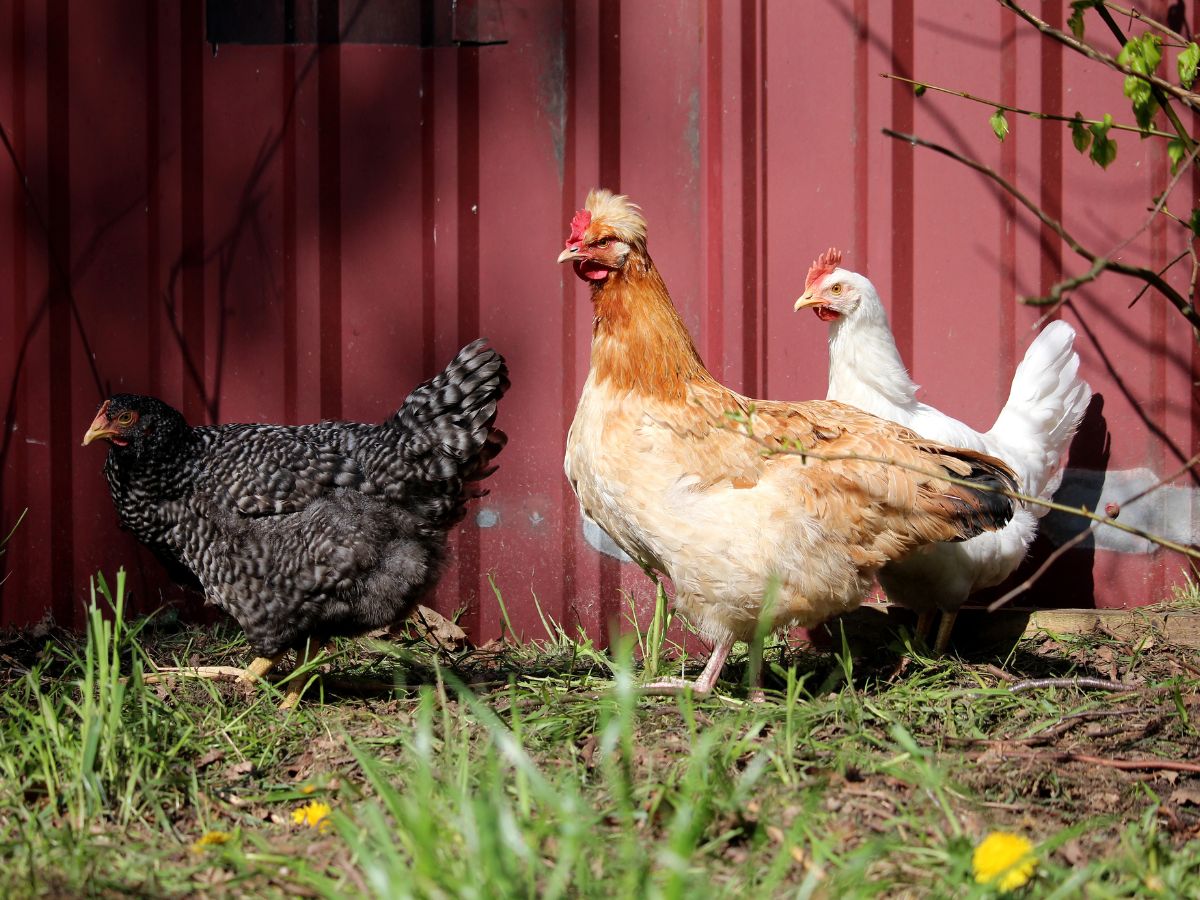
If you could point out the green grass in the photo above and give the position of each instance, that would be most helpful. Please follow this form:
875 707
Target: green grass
538 770
1186 596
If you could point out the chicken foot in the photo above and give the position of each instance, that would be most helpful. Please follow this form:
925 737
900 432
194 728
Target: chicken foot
256 670
298 682
702 685
259 668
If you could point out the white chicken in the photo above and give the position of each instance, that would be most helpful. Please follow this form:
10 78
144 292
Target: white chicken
1045 405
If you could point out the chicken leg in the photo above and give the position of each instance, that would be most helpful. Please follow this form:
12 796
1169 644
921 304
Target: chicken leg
925 624
252 673
945 627
311 649
259 668
703 684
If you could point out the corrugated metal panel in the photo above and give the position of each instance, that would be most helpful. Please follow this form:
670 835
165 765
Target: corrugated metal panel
284 233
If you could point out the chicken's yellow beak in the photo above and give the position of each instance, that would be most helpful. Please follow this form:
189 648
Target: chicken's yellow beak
809 299
569 253
100 427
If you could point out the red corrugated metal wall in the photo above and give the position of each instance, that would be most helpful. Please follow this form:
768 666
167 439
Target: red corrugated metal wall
285 233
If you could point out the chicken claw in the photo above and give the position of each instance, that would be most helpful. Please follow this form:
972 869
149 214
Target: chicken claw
702 685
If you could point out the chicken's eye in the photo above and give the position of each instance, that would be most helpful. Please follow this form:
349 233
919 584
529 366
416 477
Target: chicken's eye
836 289
125 418
603 242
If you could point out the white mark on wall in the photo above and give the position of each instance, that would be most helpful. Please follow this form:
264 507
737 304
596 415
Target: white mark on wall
1171 511
598 539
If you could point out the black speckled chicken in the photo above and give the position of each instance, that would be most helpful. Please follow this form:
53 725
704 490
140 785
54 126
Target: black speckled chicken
310 531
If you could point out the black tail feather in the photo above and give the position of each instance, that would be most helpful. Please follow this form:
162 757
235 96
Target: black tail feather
448 433
983 505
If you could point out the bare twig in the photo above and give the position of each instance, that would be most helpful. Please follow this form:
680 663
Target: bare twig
1031 113
1099 684
1041 570
1125 764
1184 166
1153 23
1151 277
999 672
1064 724
1083 536
1056 296
1190 251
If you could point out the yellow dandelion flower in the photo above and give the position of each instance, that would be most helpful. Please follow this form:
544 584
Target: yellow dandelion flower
1005 860
209 839
314 814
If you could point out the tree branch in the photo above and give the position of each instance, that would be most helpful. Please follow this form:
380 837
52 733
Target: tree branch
1159 95
1055 297
1153 23
1151 277
1187 97
1031 113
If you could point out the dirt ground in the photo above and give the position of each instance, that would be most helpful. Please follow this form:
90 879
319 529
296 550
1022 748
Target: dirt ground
1087 729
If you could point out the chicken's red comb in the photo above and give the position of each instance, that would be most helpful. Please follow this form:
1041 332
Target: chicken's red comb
579 225
822 266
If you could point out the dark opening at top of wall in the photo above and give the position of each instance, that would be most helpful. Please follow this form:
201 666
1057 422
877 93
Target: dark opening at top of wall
419 23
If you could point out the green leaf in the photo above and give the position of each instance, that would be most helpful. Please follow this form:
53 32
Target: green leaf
1100 129
1138 91
1142 55
1176 150
999 124
1188 60
1132 49
1151 52
1144 113
1104 150
1076 18
1080 136
1194 222
919 90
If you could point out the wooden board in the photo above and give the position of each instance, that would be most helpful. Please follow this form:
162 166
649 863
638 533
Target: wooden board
877 623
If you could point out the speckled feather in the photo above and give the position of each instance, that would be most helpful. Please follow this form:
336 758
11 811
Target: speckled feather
312 530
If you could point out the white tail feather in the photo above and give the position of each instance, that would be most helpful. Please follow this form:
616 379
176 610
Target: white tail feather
1045 405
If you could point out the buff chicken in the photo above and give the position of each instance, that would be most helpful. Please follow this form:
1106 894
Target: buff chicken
762 513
